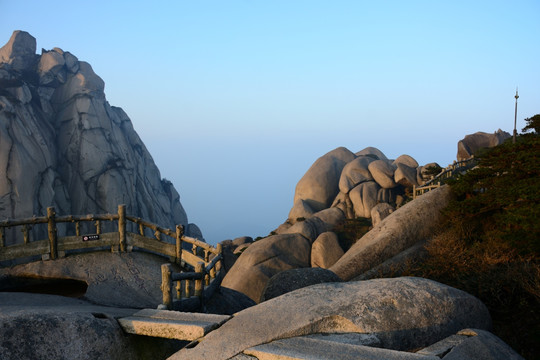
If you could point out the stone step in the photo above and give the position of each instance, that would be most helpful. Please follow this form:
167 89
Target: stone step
304 348
171 324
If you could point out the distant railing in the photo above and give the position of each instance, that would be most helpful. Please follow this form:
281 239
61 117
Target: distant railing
458 167
203 258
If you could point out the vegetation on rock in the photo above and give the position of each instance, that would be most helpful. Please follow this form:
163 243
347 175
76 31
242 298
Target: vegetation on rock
491 242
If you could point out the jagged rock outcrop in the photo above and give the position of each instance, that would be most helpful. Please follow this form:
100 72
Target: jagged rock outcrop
401 313
474 142
63 145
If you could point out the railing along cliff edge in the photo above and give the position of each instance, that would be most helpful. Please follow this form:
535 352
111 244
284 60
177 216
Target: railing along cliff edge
203 258
448 172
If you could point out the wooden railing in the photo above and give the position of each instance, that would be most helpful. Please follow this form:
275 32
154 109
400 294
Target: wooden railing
202 262
458 167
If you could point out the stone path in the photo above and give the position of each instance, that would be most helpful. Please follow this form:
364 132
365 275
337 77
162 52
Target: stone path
171 324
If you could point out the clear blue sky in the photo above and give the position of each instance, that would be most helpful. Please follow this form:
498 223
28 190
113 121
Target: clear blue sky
236 99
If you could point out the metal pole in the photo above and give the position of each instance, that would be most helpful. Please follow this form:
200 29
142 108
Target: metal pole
515 118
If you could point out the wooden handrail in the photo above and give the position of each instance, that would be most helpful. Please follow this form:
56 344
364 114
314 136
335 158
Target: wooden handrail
125 239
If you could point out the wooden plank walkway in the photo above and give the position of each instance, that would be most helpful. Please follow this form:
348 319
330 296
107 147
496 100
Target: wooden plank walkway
171 324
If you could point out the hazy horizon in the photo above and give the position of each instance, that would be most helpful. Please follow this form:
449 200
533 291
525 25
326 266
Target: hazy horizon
235 100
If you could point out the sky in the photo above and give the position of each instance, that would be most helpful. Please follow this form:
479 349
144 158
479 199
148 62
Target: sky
236 99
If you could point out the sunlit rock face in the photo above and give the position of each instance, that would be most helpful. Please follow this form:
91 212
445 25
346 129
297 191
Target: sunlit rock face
479 140
63 145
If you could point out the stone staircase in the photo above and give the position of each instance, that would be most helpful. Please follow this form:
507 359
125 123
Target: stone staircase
171 324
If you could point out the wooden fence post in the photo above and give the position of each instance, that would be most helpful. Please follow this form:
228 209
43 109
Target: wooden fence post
122 226
179 234
53 236
199 268
219 248
166 285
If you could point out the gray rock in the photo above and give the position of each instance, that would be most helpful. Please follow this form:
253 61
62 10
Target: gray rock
20 51
300 348
405 176
403 313
326 250
300 210
383 173
319 185
265 258
36 326
471 344
344 203
406 160
354 173
379 212
293 279
373 153
479 140
77 153
364 198
242 240
315 225
411 223
114 279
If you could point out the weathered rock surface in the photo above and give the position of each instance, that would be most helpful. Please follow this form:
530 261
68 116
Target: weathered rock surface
319 185
402 313
293 279
36 326
326 250
383 173
63 145
411 223
473 142
114 279
364 198
380 212
354 173
471 344
265 258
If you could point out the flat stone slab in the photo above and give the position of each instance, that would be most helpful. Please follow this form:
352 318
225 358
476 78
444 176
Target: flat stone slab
171 324
312 349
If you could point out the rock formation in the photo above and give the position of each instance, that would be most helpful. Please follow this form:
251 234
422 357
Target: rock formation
63 145
400 314
479 140
353 183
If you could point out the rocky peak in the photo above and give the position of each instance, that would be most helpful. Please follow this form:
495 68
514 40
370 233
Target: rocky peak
62 144
20 51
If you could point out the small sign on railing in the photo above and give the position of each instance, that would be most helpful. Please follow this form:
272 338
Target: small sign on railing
90 237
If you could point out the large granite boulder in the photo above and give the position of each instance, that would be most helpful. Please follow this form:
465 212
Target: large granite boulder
364 198
20 51
63 145
471 344
113 279
414 222
293 279
479 140
264 259
319 185
401 313
326 250
355 172
383 173
37 326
